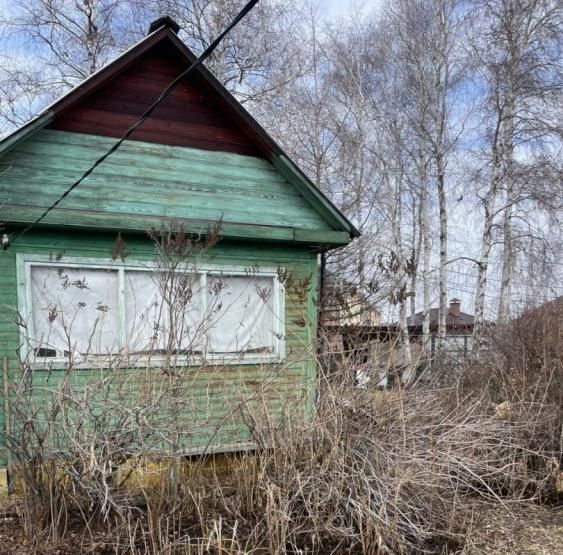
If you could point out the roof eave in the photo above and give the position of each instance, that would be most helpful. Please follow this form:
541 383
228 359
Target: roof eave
26 130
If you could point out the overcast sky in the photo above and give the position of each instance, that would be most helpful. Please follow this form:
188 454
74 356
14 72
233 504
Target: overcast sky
335 7
332 8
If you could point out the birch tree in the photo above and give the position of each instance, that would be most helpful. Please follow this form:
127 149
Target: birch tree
369 90
519 64
356 76
426 34
394 172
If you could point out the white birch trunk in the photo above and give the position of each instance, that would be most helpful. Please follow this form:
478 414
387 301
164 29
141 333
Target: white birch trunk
408 370
503 312
508 150
482 269
91 35
486 238
426 246
396 193
443 275
441 86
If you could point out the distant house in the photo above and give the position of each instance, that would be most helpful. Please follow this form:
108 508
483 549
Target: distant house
345 304
459 328
379 357
346 312
199 159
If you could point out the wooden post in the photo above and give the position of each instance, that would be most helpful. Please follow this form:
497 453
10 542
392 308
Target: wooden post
7 428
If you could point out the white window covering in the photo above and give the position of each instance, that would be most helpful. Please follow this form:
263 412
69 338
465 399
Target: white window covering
154 306
241 314
75 309
92 308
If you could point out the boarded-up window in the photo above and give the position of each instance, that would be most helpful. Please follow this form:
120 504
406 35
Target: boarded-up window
240 314
163 312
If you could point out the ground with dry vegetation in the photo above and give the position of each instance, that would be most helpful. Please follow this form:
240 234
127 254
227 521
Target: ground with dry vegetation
519 529
468 461
421 471
522 529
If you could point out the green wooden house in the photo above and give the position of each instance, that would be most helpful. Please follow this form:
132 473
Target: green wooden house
68 297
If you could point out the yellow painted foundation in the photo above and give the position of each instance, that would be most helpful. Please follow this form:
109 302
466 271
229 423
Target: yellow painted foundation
155 472
3 482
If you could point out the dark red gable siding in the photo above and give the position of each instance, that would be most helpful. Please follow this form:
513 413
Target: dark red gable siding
190 116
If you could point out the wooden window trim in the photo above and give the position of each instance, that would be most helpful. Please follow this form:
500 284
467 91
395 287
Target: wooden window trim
24 262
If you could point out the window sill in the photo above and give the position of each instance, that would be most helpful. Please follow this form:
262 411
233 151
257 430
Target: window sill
156 362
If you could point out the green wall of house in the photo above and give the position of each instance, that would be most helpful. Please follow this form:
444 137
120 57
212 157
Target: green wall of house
142 183
213 417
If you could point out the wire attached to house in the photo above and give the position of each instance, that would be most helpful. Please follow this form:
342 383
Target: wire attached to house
146 114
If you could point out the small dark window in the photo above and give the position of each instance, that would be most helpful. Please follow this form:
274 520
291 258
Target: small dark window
44 352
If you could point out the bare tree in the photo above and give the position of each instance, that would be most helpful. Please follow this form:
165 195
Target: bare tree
60 43
426 36
256 59
516 52
21 91
72 40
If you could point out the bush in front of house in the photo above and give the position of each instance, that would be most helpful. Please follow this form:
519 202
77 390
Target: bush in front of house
394 471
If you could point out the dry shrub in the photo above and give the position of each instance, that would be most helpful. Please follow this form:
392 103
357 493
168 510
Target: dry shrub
390 471
522 375
393 471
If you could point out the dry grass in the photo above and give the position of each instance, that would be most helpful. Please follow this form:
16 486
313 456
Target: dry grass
523 529
372 472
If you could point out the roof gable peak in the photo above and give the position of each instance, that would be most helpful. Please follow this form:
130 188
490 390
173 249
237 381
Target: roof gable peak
164 21
268 148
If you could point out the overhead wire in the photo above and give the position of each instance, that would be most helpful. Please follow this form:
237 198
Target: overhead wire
146 114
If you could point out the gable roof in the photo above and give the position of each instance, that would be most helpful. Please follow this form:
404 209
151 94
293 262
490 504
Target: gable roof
248 125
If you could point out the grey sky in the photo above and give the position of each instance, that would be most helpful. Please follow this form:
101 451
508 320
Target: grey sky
336 7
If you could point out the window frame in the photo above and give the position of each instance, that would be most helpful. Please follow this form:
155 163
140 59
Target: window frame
24 263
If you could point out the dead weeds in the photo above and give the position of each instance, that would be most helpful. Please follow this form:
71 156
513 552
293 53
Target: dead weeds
519 529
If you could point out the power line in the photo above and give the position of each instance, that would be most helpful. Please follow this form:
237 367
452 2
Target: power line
146 114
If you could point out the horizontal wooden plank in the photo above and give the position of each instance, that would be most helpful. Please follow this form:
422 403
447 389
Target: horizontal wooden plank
65 244
151 135
143 184
82 219
148 77
170 126
167 132
167 206
129 102
165 152
201 178
140 87
322 237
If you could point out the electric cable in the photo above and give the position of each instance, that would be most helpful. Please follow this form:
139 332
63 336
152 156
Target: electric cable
146 114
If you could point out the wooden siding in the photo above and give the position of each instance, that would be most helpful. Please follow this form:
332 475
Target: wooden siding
215 391
207 114
190 116
143 183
